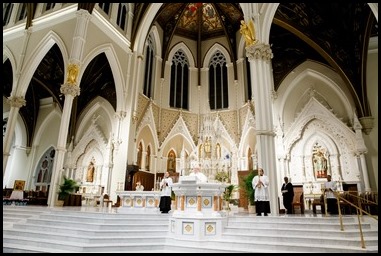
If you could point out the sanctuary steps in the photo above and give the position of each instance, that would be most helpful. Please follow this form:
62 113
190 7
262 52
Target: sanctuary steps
93 229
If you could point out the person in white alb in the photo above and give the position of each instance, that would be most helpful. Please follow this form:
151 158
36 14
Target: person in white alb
260 184
330 188
200 176
166 191
139 186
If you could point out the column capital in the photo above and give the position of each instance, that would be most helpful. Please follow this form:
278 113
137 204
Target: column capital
259 51
16 101
73 90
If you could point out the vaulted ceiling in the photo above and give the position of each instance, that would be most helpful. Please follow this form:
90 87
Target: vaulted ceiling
335 34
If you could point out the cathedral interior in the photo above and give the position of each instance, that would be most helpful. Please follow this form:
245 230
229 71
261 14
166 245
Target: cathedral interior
172 86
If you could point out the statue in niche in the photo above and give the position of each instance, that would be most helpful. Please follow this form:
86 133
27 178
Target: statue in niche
208 148
320 164
171 162
90 172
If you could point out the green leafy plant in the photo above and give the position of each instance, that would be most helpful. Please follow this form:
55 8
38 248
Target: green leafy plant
68 186
227 196
248 187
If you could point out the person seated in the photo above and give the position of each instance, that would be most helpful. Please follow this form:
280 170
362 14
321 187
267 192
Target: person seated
200 176
139 186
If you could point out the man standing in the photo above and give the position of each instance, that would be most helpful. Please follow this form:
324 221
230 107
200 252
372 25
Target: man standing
166 191
330 188
288 195
260 184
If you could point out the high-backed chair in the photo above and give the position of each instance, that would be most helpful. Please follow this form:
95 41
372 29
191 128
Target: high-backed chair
298 202
106 200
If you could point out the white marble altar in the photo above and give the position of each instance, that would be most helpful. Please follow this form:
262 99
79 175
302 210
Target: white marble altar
197 209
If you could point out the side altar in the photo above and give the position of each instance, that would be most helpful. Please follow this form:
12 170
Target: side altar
197 209
140 201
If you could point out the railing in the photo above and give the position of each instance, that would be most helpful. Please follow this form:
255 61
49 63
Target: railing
367 203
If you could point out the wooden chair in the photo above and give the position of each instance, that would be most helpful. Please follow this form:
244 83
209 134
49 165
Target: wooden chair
318 202
106 200
298 202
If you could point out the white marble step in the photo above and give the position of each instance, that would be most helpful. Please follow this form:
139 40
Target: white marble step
267 247
75 224
77 230
69 246
238 231
84 231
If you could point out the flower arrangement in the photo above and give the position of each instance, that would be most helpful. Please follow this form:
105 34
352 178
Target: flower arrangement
222 176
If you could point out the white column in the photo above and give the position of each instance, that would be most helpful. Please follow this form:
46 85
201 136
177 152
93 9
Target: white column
143 163
70 89
259 56
16 103
364 171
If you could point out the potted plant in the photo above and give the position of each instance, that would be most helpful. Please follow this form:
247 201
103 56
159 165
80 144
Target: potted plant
247 186
227 195
68 186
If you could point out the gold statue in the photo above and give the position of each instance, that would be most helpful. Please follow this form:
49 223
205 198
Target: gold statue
248 31
72 74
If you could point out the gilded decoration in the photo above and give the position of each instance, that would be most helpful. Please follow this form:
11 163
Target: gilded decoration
191 201
188 228
206 202
72 74
210 228
248 32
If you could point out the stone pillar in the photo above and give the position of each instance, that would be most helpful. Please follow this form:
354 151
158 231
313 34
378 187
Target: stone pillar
70 89
16 103
364 170
259 56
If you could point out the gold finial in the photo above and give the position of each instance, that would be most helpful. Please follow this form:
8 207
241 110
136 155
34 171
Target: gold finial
248 31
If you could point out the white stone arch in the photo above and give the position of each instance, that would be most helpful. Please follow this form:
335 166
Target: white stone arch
374 8
36 57
209 54
144 26
148 121
187 52
311 74
53 115
116 70
92 152
179 129
322 138
98 104
247 132
314 110
92 134
156 39
7 55
262 15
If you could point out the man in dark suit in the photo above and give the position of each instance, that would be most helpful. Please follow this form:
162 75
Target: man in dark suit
288 195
